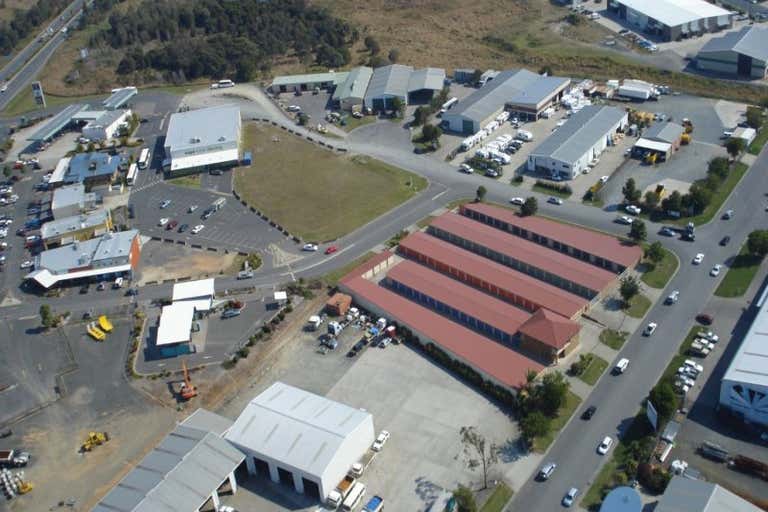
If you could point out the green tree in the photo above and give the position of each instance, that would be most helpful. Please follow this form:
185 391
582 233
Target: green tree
735 147
91 147
530 207
465 499
638 231
664 400
303 119
480 194
655 252
535 424
755 117
46 316
372 45
430 133
394 55
764 102
673 202
630 191
398 106
420 116
697 198
628 288
6 171
757 243
478 452
651 200
551 394
476 76
546 70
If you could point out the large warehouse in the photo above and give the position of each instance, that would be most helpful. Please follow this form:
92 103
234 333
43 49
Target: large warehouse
199 140
301 439
404 83
568 151
475 286
522 92
672 20
351 92
744 389
742 54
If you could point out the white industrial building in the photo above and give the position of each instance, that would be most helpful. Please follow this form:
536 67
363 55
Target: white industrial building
404 83
743 54
518 90
72 199
672 20
184 473
178 318
689 495
203 139
301 439
351 92
107 125
568 151
199 293
744 388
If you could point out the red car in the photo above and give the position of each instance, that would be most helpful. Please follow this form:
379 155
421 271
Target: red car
171 225
332 249
704 319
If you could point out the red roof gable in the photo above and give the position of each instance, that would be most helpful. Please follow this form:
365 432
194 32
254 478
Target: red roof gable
550 328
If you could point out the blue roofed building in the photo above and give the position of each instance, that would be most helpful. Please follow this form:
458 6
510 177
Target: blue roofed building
88 169
743 54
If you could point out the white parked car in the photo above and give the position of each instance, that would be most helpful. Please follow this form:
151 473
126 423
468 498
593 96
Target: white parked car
197 229
466 169
570 497
380 441
603 179
696 366
715 270
650 329
624 219
603 447
634 210
555 200
711 336
698 258
293 108
517 200
309 247
163 221
192 208
27 264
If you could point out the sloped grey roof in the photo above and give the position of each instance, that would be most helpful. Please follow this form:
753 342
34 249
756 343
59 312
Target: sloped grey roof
426 78
119 97
581 132
539 90
664 132
57 123
686 495
355 84
203 419
177 476
74 223
389 81
751 41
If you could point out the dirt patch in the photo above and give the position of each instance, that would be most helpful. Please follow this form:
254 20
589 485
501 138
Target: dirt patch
165 261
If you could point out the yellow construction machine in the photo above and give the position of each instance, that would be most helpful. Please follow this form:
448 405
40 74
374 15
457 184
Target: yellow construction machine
94 439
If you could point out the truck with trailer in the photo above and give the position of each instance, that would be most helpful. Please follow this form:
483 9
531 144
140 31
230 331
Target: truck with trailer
13 458
375 504
338 495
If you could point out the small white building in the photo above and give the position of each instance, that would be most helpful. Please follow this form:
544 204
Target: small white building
568 151
106 126
301 439
746 134
72 199
198 293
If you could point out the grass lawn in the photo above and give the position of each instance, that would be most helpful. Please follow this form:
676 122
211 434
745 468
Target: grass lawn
332 278
718 198
739 275
658 275
638 306
314 193
595 369
551 192
572 401
759 142
191 181
25 102
614 339
595 201
426 221
498 499
353 122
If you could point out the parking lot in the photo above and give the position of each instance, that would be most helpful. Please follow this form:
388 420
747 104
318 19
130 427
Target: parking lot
419 403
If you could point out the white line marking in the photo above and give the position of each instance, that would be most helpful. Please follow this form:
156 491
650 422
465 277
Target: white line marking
438 195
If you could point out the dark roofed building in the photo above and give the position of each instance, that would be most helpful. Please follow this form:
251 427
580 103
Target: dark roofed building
743 53
91 169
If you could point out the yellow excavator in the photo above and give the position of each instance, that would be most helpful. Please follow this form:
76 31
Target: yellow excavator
94 439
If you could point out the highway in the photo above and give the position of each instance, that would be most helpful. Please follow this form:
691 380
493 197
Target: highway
25 66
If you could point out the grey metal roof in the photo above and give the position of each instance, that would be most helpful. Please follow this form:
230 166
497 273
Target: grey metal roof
664 132
298 428
90 165
107 118
84 254
68 195
581 132
686 495
355 84
119 97
490 98
203 419
57 123
426 79
199 128
539 91
74 223
335 77
389 80
751 41
177 476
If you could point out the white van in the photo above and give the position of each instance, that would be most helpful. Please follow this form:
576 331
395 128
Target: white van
354 497
621 366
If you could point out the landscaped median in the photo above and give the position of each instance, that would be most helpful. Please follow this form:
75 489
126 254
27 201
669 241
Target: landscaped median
658 269
613 339
740 274
498 498
759 142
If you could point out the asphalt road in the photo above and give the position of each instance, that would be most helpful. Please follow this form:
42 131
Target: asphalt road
27 64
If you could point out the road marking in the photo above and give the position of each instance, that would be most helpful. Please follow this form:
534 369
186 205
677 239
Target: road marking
438 195
162 122
30 317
